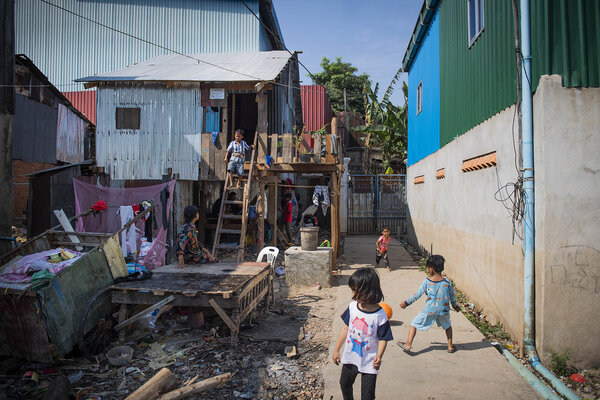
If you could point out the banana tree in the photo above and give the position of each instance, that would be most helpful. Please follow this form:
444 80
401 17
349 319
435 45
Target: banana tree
386 124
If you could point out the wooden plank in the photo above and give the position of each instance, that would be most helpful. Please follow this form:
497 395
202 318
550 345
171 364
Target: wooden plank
250 307
287 148
329 158
272 211
205 156
263 148
64 222
143 313
70 244
234 328
298 167
274 140
220 148
317 149
114 257
135 297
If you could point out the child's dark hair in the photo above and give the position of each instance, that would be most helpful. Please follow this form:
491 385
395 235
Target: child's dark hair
386 228
436 262
287 196
189 213
239 131
364 282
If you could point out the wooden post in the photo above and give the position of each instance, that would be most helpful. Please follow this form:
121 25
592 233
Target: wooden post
205 156
274 140
335 228
287 148
232 115
262 126
202 212
272 211
260 217
220 167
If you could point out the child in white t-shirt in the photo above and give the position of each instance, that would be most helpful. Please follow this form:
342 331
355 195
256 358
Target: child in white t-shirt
365 334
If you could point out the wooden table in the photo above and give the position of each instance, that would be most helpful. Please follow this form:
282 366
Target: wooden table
232 289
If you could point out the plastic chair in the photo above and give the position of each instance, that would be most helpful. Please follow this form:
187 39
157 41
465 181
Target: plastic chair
271 252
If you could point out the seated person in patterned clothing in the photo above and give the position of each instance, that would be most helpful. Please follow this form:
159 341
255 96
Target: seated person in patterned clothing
189 251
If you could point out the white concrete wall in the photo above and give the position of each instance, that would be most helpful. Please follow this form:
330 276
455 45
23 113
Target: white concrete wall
567 212
460 218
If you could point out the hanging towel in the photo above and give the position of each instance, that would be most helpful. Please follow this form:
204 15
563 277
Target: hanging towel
215 135
321 196
128 237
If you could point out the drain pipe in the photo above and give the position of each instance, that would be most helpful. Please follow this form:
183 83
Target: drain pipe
528 220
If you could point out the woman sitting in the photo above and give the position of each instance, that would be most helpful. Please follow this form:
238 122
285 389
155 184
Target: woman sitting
189 251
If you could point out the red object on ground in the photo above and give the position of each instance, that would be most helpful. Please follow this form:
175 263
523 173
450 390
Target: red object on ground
578 378
99 205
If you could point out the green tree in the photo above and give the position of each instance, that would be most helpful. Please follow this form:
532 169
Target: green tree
386 124
338 75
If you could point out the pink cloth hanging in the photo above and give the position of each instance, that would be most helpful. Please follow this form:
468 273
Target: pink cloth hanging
87 194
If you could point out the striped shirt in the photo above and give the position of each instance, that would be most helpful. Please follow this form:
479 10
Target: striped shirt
238 148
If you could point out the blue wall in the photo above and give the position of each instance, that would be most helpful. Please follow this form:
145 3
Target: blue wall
424 129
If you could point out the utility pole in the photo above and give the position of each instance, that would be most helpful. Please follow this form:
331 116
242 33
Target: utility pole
7 111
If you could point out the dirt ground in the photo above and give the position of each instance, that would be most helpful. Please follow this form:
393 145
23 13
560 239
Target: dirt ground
299 321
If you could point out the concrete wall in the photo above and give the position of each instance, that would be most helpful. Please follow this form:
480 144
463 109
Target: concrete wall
567 212
460 218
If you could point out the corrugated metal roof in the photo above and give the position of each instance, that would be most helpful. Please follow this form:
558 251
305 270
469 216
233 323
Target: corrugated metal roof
84 102
66 47
211 67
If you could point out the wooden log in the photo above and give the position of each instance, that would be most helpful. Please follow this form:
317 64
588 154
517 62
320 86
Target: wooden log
287 148
206 141
196 387
143 313
162 382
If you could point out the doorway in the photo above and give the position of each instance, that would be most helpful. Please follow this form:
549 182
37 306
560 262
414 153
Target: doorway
244 111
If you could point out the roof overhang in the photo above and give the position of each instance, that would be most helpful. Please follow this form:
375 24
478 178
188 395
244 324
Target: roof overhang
421 27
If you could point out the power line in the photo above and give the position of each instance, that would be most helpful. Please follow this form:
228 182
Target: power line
163 47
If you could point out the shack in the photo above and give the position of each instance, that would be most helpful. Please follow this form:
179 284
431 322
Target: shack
174 115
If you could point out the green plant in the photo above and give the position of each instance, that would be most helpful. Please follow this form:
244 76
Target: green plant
337 76
558 363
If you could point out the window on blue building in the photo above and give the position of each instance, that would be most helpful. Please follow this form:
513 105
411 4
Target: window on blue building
419 97
476 20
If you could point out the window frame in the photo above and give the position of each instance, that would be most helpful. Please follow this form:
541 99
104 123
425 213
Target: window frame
419 97
139 118
479 12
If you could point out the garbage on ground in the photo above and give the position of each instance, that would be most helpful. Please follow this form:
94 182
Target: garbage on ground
578 378
280 270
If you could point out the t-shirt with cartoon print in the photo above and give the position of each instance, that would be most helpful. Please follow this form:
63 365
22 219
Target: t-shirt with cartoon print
365 330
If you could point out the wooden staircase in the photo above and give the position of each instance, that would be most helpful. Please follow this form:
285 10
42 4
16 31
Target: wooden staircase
223 216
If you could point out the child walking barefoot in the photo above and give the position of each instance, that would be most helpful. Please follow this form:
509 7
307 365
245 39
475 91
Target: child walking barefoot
440 295
365 334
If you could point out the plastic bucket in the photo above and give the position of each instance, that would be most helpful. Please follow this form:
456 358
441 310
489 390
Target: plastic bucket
309 238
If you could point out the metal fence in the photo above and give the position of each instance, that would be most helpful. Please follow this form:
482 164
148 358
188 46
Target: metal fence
375 201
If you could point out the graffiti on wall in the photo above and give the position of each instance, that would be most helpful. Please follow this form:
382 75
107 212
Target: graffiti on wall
576 267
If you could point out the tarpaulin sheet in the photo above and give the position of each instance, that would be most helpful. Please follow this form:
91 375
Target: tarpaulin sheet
109 221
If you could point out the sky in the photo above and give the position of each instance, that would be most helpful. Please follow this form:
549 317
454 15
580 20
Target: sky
371 35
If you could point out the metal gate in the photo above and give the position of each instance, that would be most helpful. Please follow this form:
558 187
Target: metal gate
375 201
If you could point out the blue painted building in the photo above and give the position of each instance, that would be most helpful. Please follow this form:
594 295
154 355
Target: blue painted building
424 97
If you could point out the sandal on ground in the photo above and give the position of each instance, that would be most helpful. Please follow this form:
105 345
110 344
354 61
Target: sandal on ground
402 346
452 350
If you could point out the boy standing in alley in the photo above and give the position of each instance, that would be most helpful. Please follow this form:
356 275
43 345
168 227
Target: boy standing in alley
382 245
440 294
237 148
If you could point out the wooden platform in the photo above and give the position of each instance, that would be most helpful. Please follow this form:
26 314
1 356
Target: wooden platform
232 289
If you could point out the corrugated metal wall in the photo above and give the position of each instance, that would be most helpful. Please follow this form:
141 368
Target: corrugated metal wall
316 108
425 70
85 102
169 135
565 39
475 82
66 47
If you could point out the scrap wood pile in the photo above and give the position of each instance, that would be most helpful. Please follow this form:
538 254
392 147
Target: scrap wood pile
263 365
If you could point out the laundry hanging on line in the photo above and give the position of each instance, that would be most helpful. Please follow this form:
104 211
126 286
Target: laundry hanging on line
321 196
